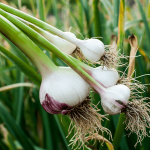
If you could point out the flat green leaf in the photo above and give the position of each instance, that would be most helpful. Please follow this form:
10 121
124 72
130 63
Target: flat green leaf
130 24
144 19
86 9
108 7
97 21
121 25
14 129
19 98
8 68
116 12
40 5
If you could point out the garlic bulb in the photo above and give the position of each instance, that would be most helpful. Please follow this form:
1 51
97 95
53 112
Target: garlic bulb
104 76
60 43
114 98
92 49
61 90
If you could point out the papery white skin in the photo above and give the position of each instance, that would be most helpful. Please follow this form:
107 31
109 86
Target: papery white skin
110 95
60 43
104 76
64 86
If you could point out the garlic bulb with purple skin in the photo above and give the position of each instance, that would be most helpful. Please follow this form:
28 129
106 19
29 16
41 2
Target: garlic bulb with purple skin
64 89
64 92
61 90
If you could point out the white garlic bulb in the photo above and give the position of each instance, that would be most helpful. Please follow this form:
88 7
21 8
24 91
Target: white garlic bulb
114 98
92 49
62 89
104 76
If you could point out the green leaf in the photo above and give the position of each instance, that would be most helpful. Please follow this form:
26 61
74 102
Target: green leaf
144 19
55 12
61 132
41 7
11 143
14 129
8 68
86 9
130 24
19 98
97 21
121 25
116 12
108 7
26 69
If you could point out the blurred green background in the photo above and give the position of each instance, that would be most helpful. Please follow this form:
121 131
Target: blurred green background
23 122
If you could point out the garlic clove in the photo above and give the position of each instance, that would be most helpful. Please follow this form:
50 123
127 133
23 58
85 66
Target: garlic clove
60 43
114 98
104 76
64 86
